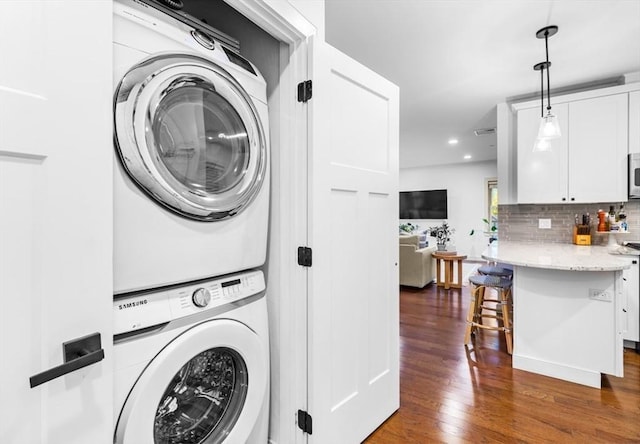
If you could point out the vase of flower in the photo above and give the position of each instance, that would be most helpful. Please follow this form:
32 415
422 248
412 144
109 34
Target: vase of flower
442 233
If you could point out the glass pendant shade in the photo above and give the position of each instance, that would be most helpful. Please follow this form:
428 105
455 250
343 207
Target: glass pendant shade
542 145
549 127
549 130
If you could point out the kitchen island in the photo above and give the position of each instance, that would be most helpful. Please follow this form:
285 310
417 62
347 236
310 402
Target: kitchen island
567 309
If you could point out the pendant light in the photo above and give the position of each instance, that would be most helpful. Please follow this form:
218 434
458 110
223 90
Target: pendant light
549 126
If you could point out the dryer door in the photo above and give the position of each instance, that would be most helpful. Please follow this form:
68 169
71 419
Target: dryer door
189 135
208 385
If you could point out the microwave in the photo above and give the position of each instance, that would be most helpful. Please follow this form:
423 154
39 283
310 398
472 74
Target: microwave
634 176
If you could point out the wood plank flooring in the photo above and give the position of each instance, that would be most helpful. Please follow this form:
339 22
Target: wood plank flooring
452 394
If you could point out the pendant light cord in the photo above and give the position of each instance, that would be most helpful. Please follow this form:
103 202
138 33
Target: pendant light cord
542 92
546 47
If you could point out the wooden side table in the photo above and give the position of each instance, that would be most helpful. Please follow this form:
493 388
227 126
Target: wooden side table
448 259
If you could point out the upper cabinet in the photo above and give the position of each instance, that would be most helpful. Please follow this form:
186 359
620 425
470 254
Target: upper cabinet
598 147
634 122
587 164
542 176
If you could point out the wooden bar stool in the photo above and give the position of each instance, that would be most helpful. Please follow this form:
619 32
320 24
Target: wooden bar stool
501 311
499 270
496 270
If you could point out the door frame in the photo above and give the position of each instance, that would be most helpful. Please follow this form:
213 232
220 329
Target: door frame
287 281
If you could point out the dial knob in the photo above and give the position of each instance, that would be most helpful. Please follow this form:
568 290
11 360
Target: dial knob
201 297
203 38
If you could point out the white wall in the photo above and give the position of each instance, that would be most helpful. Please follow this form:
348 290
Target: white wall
466 199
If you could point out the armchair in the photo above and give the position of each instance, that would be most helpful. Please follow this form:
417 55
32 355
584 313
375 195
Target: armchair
417 267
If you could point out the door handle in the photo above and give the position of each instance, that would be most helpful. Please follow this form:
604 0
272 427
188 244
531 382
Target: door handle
78 353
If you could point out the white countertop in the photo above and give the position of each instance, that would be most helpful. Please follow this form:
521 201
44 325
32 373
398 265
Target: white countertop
555 256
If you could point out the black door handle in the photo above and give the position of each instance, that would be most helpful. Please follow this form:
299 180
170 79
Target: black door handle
77 354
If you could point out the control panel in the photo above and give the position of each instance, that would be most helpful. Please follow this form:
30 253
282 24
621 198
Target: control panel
144 310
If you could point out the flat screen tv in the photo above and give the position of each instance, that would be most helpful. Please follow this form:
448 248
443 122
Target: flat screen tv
430 204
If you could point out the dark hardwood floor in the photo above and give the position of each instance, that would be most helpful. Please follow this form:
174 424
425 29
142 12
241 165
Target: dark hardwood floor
452 394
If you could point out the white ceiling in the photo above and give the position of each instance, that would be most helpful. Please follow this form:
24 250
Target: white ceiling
454 60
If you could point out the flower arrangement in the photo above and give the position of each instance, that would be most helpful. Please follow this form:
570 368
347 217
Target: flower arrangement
442 233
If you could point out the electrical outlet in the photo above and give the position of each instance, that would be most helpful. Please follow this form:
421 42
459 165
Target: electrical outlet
600 295
545 224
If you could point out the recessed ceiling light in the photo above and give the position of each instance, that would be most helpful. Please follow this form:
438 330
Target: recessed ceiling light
467 156
453 141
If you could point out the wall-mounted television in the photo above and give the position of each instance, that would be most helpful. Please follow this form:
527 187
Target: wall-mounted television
428 204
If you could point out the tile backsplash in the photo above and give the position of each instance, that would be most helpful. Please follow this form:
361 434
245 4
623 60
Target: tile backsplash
520 222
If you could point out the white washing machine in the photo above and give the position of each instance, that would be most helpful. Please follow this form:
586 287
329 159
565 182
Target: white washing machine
192 363
191 176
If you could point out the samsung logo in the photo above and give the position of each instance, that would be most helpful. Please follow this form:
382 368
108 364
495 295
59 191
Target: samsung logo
132 304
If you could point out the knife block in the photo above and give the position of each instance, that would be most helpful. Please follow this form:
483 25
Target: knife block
581 239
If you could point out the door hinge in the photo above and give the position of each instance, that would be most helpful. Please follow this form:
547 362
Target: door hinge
304 256
305 422
305 91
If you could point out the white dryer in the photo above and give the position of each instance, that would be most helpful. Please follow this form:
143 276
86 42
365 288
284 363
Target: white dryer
191 176
192 363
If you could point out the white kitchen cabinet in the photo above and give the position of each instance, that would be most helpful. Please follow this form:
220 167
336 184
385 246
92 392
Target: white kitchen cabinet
542 176
634 122
587 164
631 301
506 152
598 146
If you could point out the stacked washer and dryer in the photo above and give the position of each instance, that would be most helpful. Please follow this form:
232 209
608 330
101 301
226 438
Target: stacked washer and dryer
191 205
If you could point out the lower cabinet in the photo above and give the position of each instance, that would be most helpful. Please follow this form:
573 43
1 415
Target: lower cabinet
631 307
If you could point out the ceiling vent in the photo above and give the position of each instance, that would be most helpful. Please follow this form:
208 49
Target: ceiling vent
484 131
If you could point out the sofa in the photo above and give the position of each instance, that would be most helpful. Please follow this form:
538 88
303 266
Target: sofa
417 267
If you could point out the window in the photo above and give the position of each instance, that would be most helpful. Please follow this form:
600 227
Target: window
492 209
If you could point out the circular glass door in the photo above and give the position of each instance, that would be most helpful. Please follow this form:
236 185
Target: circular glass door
189 135
206 386
203 400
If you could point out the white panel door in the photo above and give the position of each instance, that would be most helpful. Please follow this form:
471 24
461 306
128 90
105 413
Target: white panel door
55 217
353 283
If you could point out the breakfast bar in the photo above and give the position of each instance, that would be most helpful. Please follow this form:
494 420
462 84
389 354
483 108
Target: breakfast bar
567 309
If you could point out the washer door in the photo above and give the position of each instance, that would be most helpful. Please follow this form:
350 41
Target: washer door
208 385
189 135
